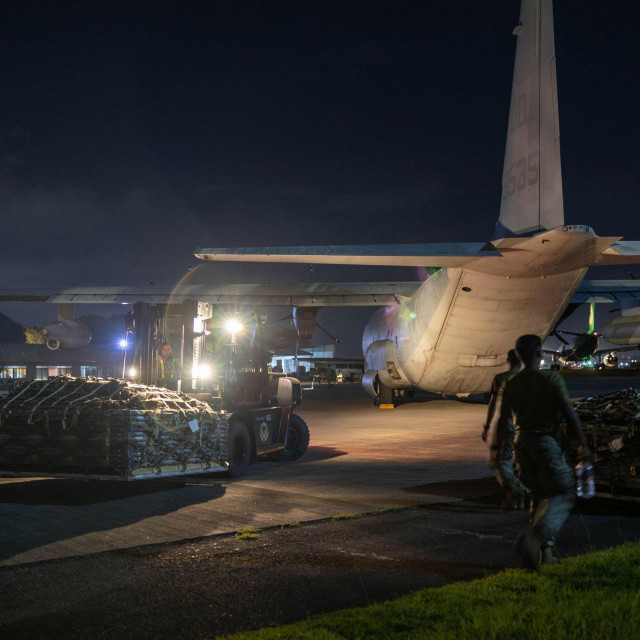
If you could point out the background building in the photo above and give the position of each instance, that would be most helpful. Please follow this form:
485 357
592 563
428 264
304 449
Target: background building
37 361
318 361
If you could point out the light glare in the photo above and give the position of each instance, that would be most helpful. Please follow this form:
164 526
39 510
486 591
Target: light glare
233 326
202 371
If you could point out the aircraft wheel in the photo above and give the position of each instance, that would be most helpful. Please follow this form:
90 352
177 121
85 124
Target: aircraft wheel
385 394
297 440
239 449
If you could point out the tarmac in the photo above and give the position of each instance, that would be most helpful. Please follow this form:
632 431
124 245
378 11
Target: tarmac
159 558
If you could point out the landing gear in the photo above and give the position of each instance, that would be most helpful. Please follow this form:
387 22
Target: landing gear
384 399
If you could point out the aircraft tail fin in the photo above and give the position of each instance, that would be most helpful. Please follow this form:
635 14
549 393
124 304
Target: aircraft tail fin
592 318
531 178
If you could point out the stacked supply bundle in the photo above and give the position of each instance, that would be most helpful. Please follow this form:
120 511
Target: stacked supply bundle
611 424
107 428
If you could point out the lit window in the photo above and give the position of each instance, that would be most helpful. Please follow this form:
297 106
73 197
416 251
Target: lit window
42 373
13 371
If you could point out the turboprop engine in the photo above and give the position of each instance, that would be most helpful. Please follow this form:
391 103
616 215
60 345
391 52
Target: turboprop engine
383 371
66 334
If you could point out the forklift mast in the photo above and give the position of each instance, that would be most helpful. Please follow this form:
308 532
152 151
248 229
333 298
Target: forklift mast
211 358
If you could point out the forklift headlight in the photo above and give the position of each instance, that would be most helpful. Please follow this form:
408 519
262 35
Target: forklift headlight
201 371
233 326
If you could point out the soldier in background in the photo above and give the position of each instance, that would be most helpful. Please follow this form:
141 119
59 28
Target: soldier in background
169 370
502 450
538 399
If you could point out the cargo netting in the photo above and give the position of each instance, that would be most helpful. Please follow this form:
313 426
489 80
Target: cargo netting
611 423
108 428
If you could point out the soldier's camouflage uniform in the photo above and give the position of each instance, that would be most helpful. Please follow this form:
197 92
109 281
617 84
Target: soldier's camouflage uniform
502 448
536 398
170 372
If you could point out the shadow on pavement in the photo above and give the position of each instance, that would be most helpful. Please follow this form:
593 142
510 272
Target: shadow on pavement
36 514
80 492
608 507
464 489
314 454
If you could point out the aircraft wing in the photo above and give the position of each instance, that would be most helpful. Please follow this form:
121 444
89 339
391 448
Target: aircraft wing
607 291
442 254
309 294
622 252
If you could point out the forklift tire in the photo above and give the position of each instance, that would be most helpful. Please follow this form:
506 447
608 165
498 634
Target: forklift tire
297 440
239 449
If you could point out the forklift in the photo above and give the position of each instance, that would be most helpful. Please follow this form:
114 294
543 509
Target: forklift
224 362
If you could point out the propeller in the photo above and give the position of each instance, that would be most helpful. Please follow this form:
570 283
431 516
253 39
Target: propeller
323 329
317 324
287 317
556 334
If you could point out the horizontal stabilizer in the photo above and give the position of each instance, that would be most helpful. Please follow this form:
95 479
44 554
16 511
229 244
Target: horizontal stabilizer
607 291
352 294
624 252
455 254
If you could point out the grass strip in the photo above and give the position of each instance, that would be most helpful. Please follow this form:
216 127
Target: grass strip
247 534
346 516
596 595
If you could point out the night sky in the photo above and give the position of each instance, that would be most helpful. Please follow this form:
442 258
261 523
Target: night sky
133 132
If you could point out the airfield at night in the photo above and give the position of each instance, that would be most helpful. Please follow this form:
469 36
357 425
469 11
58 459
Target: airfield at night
133 133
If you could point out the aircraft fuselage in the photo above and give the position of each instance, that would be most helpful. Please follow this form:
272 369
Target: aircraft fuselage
624 330
453 335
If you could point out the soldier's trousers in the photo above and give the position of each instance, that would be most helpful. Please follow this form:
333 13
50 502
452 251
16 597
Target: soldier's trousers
502 465
550 480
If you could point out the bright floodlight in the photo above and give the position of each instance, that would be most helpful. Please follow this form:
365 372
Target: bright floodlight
201 371
132 372
123 343
233 326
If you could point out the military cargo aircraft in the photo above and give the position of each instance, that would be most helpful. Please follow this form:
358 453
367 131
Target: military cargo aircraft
451 333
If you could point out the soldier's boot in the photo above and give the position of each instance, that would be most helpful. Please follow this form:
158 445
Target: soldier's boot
508 502
549 554
528 549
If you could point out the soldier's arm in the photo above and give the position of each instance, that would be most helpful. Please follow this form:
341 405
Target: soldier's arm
574 426
506 413
491 409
